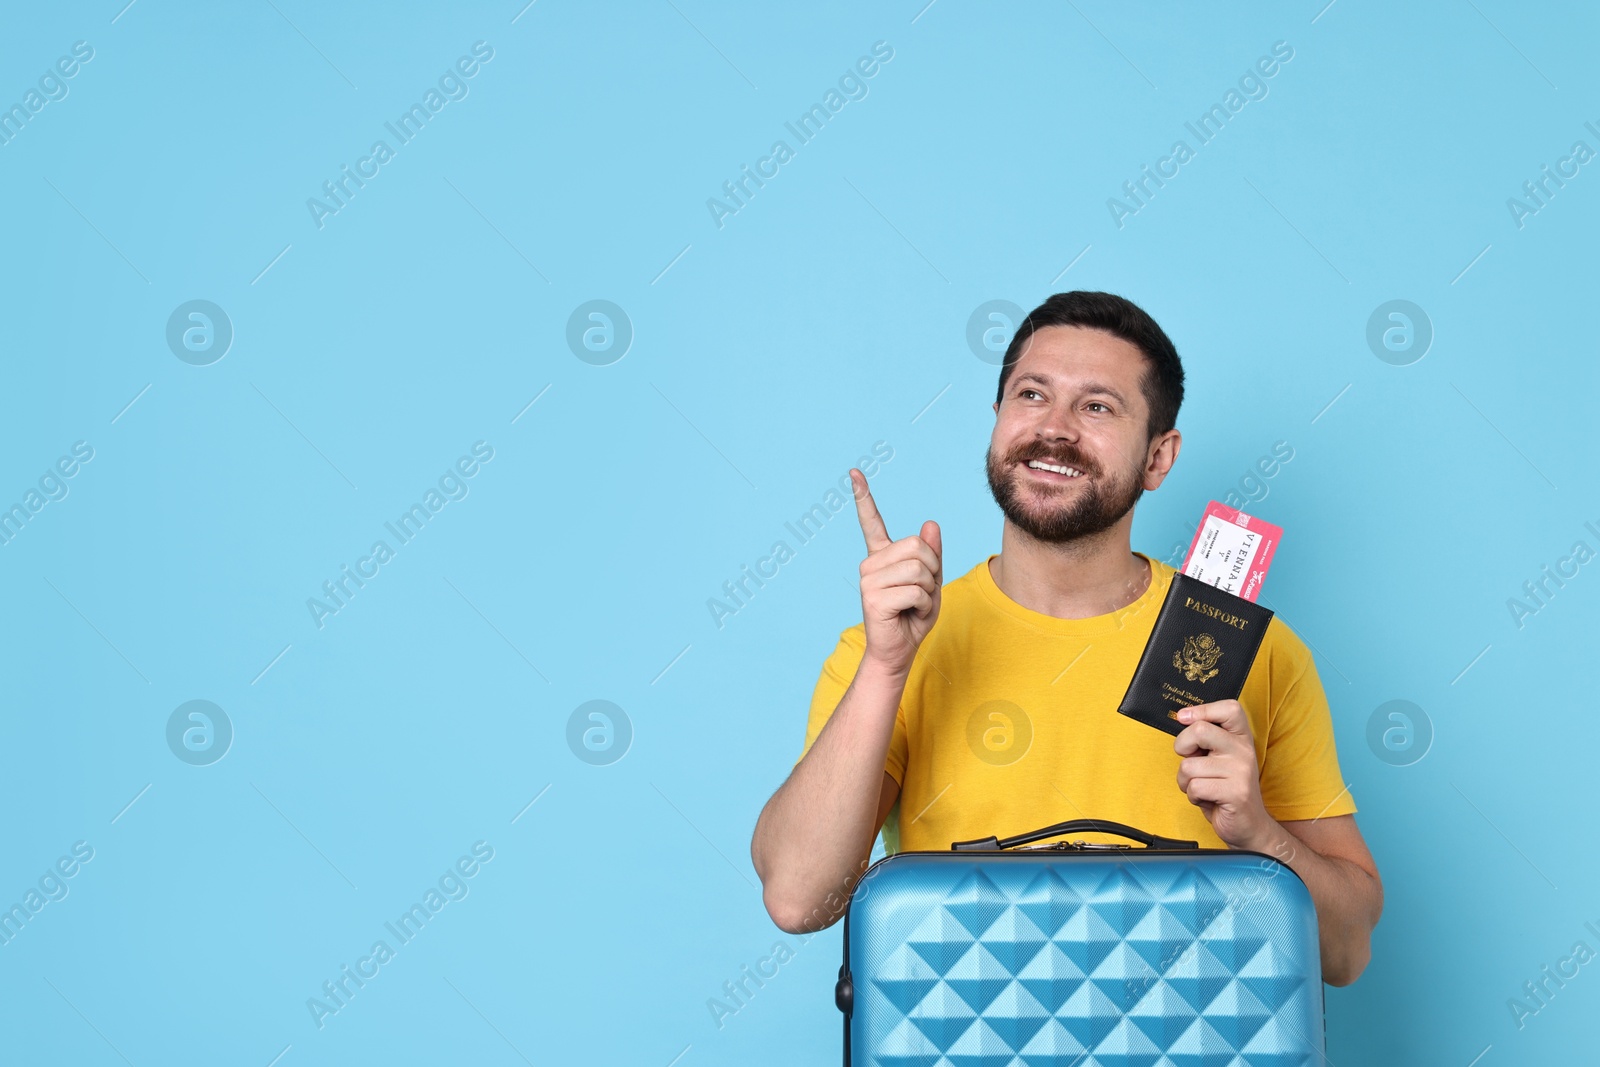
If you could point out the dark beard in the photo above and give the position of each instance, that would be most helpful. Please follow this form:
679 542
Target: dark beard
1098 506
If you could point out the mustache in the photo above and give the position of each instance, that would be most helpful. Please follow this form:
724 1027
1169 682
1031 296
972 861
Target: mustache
1067 457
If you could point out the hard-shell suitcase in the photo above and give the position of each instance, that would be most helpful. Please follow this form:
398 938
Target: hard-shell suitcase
1076 955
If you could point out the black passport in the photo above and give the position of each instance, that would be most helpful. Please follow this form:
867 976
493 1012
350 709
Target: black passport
1200 650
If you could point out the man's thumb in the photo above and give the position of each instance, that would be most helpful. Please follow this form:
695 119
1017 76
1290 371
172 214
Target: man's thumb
930 534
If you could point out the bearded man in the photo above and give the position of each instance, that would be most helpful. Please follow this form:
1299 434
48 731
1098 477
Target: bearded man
1002 718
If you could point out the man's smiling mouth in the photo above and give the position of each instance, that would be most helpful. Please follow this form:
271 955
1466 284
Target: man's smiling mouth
1053 470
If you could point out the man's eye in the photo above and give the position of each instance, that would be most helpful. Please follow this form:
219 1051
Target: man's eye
1097 404
1025 392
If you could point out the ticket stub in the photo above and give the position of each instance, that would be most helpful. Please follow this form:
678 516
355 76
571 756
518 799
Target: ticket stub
1232 551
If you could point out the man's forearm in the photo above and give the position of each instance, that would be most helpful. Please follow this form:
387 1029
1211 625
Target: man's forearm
1348 900
816 830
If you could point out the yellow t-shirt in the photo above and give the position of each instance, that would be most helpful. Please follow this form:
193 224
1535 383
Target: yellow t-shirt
1009 723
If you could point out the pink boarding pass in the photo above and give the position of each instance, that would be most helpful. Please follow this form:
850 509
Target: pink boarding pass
1232 551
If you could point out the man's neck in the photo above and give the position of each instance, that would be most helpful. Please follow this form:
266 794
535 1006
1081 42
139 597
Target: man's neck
1079 579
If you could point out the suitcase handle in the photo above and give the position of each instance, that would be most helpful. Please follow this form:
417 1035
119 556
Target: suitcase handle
991 844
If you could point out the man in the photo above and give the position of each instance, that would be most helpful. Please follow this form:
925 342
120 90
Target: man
1002 718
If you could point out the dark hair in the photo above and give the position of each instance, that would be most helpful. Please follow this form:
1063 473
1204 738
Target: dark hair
1162 383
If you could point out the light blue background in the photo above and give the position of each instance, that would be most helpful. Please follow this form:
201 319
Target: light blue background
769 355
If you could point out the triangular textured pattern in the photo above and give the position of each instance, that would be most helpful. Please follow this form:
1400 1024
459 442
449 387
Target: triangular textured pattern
1113 961
1194 899
1160 938
1236 1014
1014 938
1053 1046
1199 976
1270 977
1202 1046
905 978
1126 1046
976 902
1276 1045
943 1016
980 1046
978 977
1089 1014
1163 1015
1121 900
1233 938
1086 938
1124 977
1049 901
1052 977
906 1046
1016 1015
941 940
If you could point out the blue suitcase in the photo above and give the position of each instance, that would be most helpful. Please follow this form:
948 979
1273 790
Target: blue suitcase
1076 955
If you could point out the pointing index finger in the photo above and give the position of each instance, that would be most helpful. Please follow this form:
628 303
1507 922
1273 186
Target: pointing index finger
872 527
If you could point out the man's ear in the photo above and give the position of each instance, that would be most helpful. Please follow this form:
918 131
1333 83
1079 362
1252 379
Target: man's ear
1163 453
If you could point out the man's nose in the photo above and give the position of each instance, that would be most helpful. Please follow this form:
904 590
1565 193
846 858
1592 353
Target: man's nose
1060 422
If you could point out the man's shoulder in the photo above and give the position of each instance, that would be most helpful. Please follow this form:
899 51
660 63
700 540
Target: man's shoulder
1285 641
1286 657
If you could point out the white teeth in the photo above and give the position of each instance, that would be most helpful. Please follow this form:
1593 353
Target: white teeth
1041 465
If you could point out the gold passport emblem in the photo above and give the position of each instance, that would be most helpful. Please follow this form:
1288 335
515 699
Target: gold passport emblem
1198 657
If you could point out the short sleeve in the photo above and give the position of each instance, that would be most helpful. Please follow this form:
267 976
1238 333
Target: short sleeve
838 670
1300 776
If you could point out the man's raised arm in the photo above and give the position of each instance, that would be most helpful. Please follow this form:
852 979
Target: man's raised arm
815 833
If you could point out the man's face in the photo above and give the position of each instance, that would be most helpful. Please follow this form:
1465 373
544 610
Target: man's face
1073 400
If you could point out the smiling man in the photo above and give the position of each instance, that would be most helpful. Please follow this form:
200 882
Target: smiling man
1002 717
